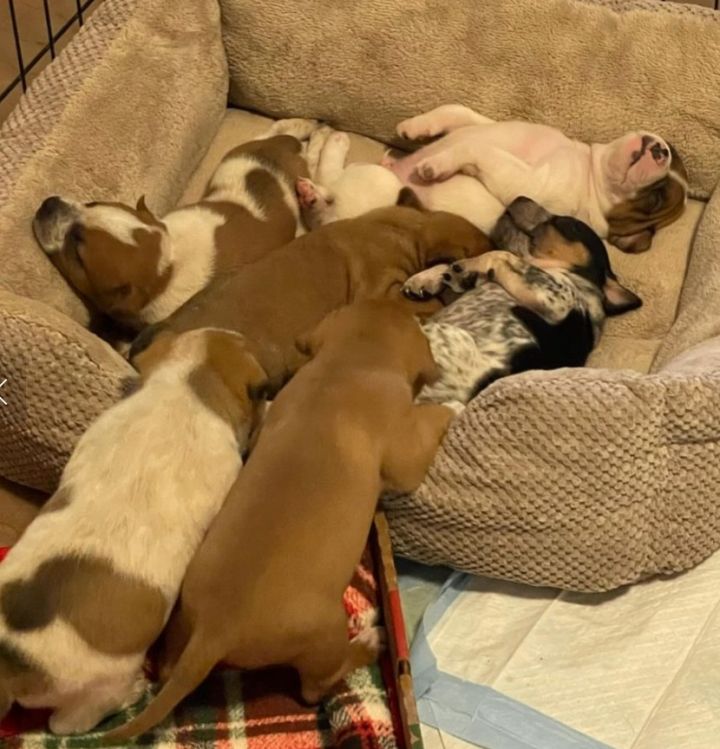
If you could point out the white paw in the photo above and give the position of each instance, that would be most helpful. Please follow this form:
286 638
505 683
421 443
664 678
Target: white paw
373 639
339 139
418 127
431 169
426 284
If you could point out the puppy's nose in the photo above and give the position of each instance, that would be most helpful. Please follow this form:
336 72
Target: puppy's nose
469 281
659 152
49 207
646 141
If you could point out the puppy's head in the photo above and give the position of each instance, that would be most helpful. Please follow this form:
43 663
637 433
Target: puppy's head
648 178
219 366
116 256
549 241
374 330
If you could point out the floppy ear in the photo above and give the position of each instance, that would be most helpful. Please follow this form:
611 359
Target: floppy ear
618 299
310 342
150 348
409 198
633 242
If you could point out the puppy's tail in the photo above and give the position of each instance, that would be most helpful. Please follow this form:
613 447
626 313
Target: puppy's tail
192 667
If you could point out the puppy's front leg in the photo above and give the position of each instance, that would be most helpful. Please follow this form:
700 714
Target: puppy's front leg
443 119
413 446
428 283
332 158
532 287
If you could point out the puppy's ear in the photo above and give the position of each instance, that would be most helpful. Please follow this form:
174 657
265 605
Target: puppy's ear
309 343
633 243
409 198
150 348
618 299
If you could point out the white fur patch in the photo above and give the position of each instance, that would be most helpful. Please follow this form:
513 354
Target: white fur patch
144 516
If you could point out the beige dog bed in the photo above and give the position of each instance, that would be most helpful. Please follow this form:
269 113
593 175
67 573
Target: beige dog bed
584 479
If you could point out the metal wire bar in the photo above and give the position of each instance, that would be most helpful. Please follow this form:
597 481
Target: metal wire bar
53 38
48 24
18 50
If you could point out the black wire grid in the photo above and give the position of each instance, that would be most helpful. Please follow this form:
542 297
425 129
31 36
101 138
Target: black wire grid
53 37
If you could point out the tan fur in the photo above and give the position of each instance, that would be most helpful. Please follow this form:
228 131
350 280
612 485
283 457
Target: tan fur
59 589
266 585
633 223
291 289
122 280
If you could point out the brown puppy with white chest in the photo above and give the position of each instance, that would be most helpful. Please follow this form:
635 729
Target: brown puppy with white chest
266 586
291 289
137 269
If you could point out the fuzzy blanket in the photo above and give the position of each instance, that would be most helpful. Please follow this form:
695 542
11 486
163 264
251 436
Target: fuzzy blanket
234 710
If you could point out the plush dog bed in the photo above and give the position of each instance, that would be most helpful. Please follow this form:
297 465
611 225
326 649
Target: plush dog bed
584 479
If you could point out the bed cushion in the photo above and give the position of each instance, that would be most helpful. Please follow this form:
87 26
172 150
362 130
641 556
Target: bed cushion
129 107
365 66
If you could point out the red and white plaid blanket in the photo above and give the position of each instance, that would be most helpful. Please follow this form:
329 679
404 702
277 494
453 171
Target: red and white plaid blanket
254 710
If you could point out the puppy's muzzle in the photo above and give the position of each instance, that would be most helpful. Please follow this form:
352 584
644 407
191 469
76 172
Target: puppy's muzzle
51 222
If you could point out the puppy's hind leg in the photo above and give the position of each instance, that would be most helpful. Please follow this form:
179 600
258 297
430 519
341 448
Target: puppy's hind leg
413 446
333 657
297 127
443 119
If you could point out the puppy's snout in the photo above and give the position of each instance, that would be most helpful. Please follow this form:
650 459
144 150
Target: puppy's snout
49 207
469 281
659 152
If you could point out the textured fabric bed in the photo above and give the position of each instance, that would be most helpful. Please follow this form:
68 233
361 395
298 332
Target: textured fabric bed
638 668
585 479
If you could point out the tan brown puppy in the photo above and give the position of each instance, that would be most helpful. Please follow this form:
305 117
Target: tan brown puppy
266 585
137 268
291 289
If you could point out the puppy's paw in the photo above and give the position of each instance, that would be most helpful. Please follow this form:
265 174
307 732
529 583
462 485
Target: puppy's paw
459 277
372 640
418 127
298 127
426 284
433 169
306 192
338 139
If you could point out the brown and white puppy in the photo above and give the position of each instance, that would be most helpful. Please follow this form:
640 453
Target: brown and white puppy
90 584
625 190
290 290
267 583
138 269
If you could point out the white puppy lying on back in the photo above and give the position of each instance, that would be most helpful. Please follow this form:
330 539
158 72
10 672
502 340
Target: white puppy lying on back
625 190
90 584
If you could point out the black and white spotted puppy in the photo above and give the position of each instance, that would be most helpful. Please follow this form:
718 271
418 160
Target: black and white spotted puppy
539 304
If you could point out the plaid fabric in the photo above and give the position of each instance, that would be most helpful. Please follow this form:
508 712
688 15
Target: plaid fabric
254 710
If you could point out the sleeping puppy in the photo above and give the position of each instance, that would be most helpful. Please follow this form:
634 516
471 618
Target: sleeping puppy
540 306
291 289
90 584
266 585
138 269
625 190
